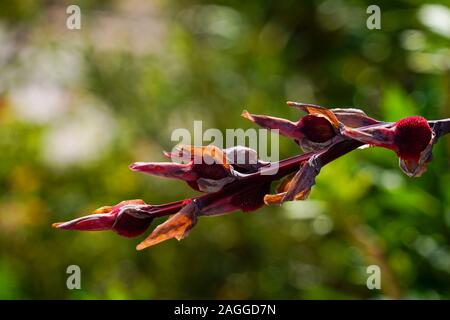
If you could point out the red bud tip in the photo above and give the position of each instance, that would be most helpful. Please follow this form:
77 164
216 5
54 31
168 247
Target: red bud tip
412 136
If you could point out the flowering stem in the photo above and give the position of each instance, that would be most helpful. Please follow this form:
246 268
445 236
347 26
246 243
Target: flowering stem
246 186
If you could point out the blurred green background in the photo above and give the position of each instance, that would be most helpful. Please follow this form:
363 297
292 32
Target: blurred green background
78 106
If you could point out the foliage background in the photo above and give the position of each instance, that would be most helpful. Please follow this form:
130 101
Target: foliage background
76 107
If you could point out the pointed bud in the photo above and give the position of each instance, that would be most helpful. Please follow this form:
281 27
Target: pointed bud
128 218
316 128
209 168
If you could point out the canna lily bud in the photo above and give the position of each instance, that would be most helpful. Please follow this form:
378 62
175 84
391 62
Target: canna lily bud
311 132
414 139
209 168
318 129
411 138
127 218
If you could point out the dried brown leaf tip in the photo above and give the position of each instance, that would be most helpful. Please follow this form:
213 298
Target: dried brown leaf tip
297 186
177 226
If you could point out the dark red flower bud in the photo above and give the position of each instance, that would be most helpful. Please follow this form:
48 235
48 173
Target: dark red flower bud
316 128
411 138
311 132
208 169
128 218
412 135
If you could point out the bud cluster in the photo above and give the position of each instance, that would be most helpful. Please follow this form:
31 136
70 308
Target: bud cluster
229 185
